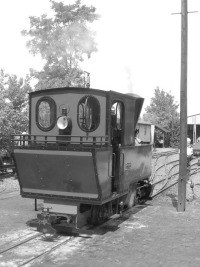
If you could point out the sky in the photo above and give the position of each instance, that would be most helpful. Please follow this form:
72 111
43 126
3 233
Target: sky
139 45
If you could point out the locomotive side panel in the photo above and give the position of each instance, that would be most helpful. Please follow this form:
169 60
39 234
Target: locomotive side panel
104 171
135 165
57 173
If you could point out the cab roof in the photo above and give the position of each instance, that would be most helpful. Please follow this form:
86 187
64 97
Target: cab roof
81 90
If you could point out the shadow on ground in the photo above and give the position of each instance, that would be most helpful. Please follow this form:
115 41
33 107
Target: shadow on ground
112 225
173 199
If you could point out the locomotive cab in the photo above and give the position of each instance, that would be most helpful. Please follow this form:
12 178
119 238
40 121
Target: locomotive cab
80 155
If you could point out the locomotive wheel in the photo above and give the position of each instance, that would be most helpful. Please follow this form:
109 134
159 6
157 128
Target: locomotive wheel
99 215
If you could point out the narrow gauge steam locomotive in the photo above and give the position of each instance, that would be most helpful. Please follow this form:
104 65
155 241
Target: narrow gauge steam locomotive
80 156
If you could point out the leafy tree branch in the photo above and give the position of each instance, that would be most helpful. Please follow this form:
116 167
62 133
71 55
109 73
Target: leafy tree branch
163 110
62 41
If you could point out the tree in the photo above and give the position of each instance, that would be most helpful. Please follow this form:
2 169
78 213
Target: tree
13 106
164 111
16 91
62 41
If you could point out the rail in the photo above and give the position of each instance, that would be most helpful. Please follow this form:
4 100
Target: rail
166 182
171 180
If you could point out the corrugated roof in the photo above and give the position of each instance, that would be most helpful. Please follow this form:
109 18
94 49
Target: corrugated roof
144 122
163 129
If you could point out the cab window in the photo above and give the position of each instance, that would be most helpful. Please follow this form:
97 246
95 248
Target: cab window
45 113
88 113
116 115
116 122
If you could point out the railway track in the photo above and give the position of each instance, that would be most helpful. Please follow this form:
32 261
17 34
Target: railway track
157 154
165 171
34 246
27 239
164 176
46 251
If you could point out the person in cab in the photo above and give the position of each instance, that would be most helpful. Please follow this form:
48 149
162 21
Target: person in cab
137 139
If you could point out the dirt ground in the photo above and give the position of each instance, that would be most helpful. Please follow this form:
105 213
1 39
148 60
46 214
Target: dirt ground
150 235
154 234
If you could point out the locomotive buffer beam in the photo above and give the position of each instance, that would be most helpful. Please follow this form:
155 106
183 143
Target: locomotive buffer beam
50 223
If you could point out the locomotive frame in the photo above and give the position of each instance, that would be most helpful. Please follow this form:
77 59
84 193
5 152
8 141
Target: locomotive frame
80 156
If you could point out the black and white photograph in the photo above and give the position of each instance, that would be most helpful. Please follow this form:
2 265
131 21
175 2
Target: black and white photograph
99 133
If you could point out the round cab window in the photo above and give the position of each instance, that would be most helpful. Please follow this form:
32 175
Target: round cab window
45 113
88 113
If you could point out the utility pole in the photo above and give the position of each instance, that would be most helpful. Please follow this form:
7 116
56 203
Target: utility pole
183 110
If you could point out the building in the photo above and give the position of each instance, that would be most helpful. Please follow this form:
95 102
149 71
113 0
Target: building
193 123
147 133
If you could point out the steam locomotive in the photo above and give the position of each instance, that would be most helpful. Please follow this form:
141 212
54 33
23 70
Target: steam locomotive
80 156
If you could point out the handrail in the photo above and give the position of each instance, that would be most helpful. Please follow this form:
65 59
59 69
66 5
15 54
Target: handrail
25 140
40 135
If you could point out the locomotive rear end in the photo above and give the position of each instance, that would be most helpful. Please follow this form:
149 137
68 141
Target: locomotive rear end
80 156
